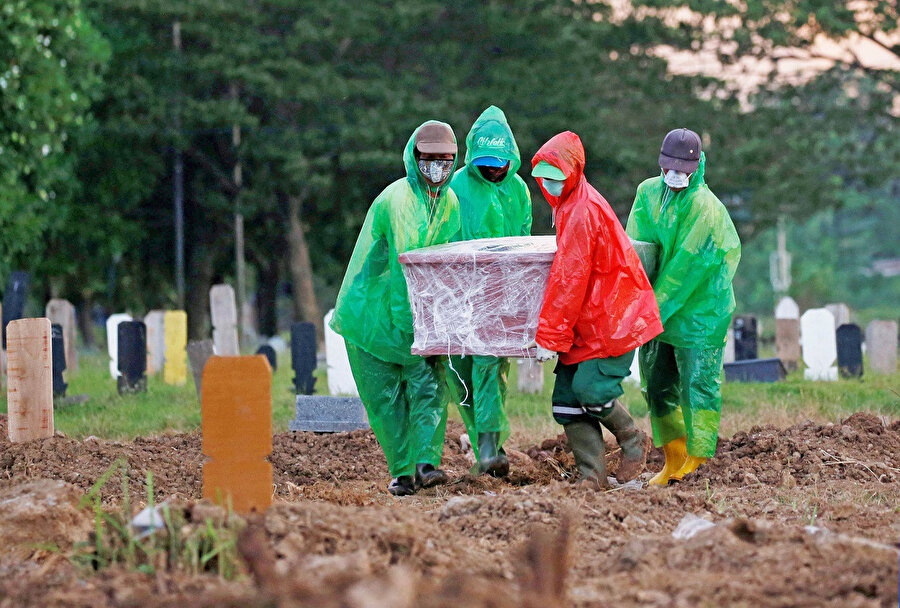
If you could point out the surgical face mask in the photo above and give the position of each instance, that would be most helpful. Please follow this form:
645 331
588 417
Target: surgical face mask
436 171
676 179
553 187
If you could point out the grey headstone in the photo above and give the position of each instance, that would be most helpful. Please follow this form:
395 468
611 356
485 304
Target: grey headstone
841 313
755 370
327 414
530 376
223 309
787 342
156 340
61 312
881 346
198 352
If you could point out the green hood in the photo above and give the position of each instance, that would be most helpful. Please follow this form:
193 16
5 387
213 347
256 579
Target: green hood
491 136
413 175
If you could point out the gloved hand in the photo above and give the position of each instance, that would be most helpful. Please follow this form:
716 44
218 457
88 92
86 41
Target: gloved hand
542 354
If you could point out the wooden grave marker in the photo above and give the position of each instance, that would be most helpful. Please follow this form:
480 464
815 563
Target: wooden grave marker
30 389
61 312
175 367
236 405
223 309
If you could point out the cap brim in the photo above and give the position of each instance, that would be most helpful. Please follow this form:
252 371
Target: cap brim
490 161
545 169
436 148
678 164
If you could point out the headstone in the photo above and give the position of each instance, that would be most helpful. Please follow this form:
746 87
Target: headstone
132 357
269 353
61 312
755 370
340 377
849 350
728 353
112 341
881 346
841 313
175 367
58 359
14 298
531 376
819 344
744 337
303 357
787 333
199 351
328 414
787 309
156 340
224 320
29 395
236 406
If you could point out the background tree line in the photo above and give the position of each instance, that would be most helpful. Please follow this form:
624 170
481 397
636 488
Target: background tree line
98 100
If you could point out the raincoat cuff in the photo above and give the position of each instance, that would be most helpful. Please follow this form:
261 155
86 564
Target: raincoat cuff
559 343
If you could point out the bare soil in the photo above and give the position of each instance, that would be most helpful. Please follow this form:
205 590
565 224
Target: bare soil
804 516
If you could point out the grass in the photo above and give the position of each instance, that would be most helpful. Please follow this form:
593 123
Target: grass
176 408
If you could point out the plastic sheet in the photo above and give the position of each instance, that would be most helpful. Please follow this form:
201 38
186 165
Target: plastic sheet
483 297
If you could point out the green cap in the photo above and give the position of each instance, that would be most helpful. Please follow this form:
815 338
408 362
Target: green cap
545 169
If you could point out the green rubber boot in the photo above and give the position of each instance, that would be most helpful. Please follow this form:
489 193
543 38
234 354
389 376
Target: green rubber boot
491 457
634 442
586 440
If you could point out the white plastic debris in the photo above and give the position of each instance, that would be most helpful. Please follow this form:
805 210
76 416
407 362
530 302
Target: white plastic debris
691 525
148 520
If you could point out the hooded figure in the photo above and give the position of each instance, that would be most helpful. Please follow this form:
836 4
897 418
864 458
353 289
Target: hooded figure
698 257
493 202
405 395
598 308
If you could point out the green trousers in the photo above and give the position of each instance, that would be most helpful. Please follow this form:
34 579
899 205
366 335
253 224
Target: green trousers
407 408
478 385
582 390
683 388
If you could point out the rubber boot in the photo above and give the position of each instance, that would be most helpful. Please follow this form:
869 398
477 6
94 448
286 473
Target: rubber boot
586 440
491 458
427 475
405 485
676 456
690 465
634 442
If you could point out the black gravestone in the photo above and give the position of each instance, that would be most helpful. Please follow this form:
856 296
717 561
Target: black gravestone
744 337
755 370
269 353
58 359
303 356
14 298
849 351
132 357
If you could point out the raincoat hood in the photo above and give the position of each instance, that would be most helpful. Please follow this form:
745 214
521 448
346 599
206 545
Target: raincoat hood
492 136
565 152
413 175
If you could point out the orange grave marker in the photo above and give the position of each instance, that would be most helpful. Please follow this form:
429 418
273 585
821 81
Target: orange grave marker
29 392
236 404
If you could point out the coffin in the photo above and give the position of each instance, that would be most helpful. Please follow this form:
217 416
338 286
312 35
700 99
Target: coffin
483 297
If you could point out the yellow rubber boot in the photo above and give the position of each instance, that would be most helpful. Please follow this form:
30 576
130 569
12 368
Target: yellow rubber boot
690 465
676 457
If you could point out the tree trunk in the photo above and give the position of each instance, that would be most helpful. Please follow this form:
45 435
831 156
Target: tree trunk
306 307
201 271
267 295
86 320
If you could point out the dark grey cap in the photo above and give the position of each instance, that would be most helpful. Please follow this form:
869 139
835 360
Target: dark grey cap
680 151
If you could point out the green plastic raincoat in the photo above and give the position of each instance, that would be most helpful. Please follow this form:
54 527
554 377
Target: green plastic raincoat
698 256
487 209
405 395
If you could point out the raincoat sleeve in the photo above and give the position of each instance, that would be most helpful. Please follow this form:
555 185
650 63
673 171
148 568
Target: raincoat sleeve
397 242
526 211
568 281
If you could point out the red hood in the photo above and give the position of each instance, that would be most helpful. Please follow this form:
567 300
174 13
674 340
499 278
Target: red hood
566 152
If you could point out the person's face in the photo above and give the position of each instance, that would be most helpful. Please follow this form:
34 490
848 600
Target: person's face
426 161
494 174
665 171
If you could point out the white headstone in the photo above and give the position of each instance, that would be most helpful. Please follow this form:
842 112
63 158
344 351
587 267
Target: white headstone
881 346
340 378
530 375
156 340
841 313
819 343
728 355
787 309
112 341
223 309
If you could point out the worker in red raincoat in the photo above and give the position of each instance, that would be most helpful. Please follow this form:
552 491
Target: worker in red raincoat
598 308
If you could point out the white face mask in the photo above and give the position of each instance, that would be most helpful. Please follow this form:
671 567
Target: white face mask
676 179
552 186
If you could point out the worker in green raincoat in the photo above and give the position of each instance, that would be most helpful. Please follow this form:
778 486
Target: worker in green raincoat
699 253
405 395
493 202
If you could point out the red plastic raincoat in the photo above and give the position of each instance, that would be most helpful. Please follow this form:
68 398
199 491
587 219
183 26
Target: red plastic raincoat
598 302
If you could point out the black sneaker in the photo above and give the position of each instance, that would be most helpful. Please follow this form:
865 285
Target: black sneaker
427 476
402 486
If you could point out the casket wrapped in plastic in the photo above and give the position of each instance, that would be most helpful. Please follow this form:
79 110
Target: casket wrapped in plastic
483 297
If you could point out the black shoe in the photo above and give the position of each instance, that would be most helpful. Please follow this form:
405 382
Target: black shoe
491 458
404 485
427 476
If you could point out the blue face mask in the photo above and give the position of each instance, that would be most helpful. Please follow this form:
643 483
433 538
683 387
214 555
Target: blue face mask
552 186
